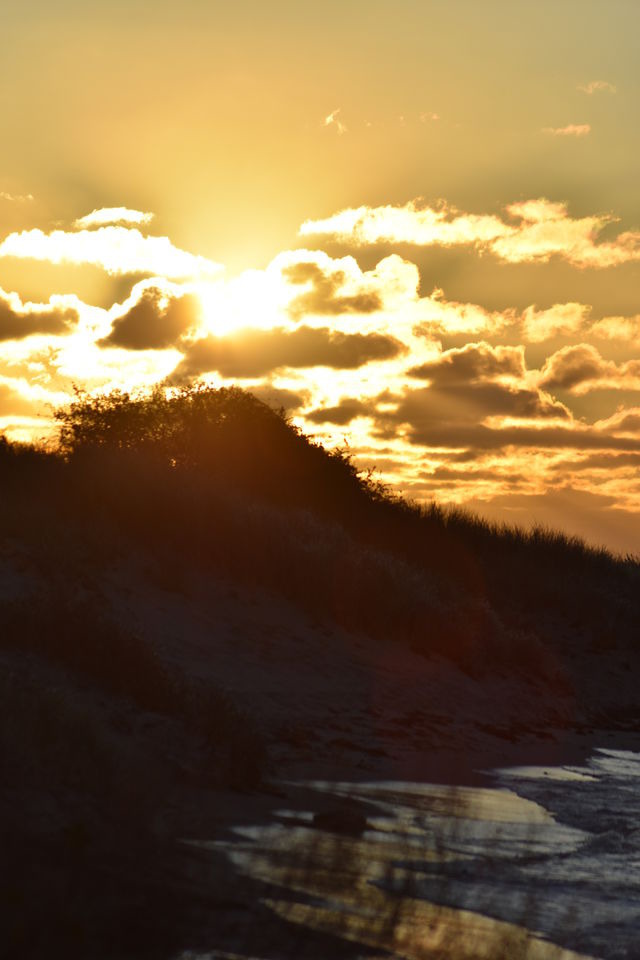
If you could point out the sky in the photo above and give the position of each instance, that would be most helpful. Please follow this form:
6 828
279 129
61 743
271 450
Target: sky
415 226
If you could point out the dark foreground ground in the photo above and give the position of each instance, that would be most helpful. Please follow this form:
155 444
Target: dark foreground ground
234 700
200 612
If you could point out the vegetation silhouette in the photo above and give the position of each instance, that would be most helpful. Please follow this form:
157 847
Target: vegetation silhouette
218 480
99 730
218 475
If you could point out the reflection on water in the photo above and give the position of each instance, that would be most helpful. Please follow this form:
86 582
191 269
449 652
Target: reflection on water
427 871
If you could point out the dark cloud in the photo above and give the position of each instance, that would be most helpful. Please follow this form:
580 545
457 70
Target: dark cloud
598 461
581 368
153 323
471 403
572 366
324 296
254 352
342 413
449 414
279 398
474 362
483 438
453 419
451 474
16 324
625 421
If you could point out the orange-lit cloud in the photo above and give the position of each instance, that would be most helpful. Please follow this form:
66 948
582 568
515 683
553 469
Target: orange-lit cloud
597 86
333 120
326 295
19 320
562 319
438 316
571 130
155 320
16 198
472 363
255 353
424 226
580 368
118 250
106 216
363 351
626 329
542 229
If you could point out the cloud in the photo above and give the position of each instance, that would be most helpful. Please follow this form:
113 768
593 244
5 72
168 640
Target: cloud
477 391
624 421
113 215
390 291
571 130
118 250
13 402
562 319
280 397
617 328
438 316
480 416
598 461
425 226
472 363
597 86
333 120
16 198
19 320
341 413
324 298
432 421
155 320
257 352
429 116
536 231
21 397
580 368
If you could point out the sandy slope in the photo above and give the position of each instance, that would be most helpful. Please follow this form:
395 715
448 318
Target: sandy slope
332 706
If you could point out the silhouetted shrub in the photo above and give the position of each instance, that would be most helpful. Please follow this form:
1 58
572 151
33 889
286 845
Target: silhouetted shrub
225 434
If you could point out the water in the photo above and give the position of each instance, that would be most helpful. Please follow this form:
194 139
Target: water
545 864
597 884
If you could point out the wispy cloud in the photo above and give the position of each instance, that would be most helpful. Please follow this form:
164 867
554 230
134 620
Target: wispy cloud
333 120
113 216
536 231
597 86
571 130
428 115
16 198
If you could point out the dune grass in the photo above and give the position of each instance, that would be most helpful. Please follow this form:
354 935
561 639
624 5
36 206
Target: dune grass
219 481
213 483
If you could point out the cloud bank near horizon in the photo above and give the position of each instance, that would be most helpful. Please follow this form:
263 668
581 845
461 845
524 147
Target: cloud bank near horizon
447 397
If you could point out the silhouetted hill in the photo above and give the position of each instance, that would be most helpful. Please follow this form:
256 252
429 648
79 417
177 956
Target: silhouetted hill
221 480
195 596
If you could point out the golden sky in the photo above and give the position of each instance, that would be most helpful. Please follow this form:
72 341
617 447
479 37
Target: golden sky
415 225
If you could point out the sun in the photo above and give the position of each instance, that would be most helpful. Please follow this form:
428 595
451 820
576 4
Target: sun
256 299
